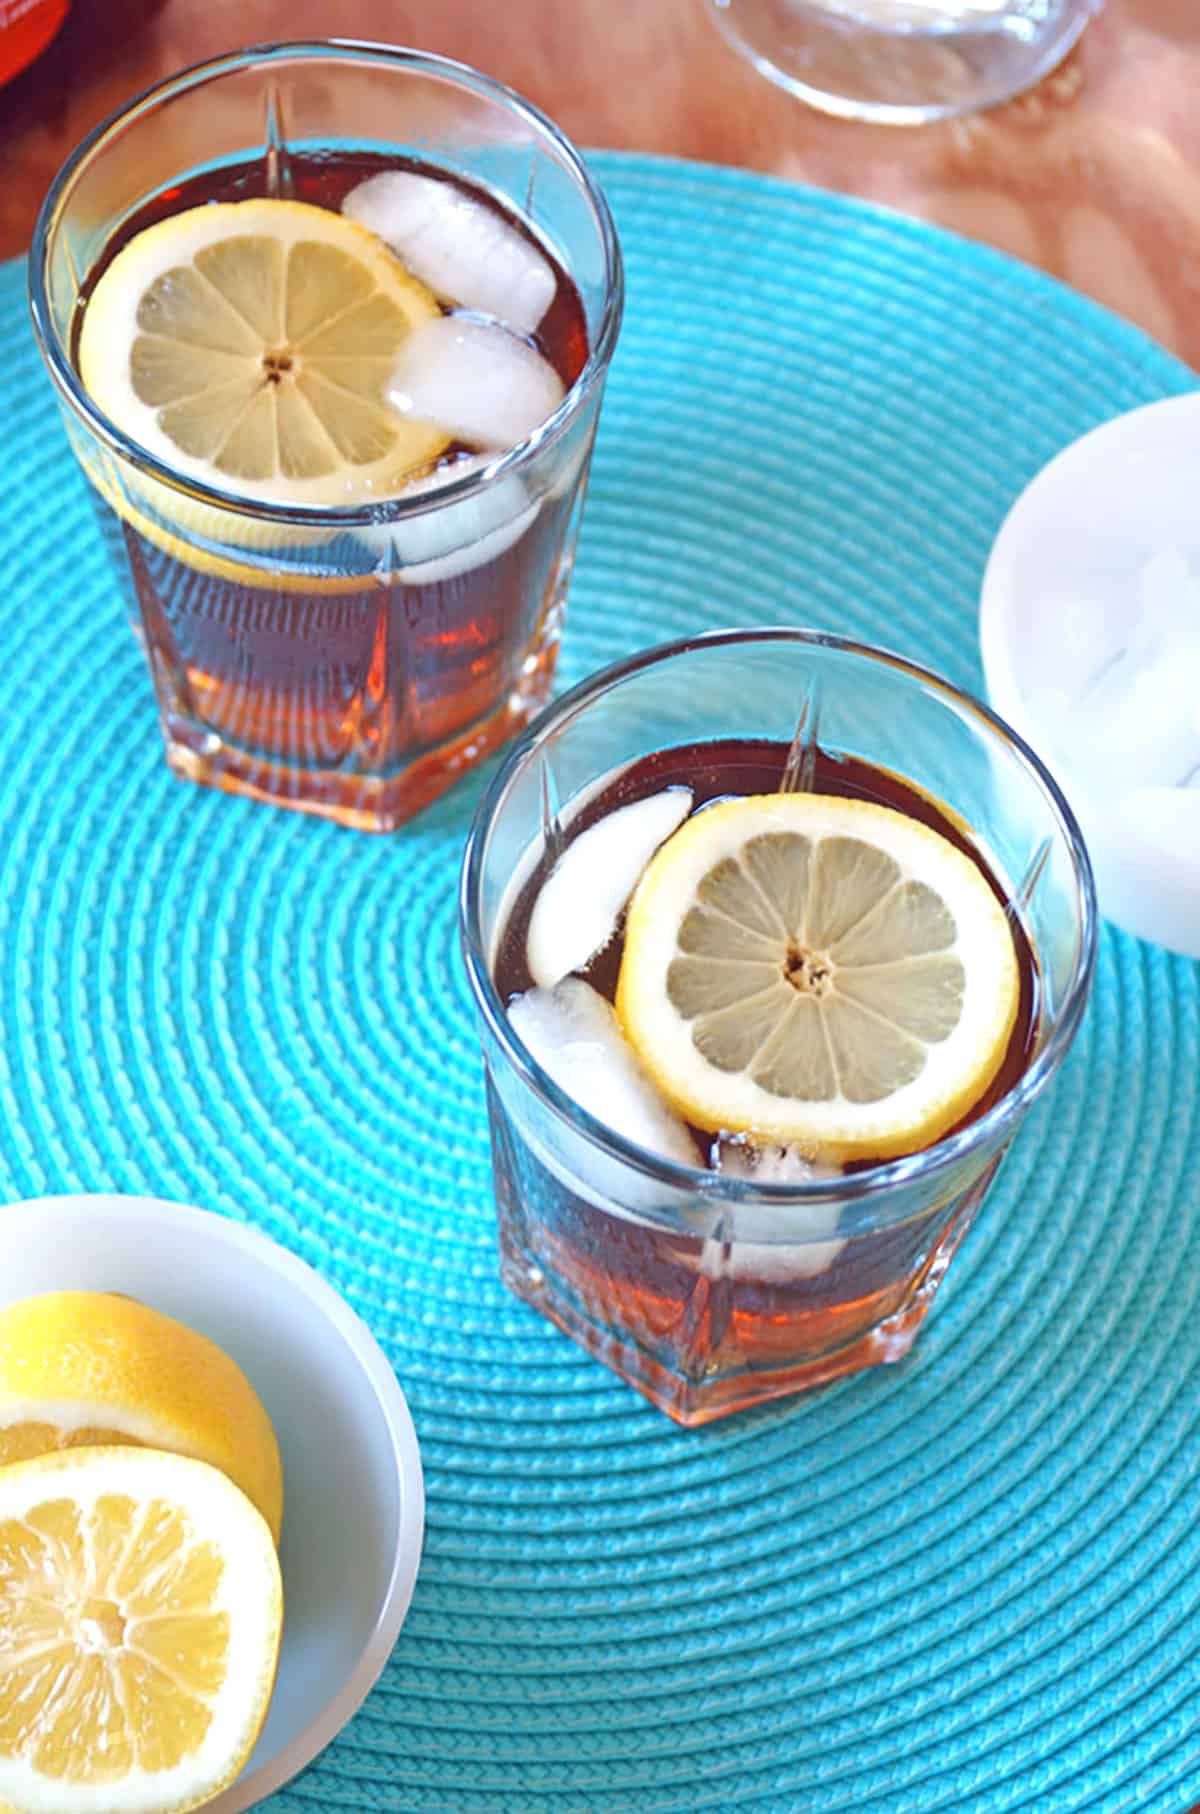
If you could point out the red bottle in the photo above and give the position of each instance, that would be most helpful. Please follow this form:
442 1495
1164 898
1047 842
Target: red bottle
26 27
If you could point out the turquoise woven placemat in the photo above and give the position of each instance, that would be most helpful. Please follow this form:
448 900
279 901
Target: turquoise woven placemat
971 1582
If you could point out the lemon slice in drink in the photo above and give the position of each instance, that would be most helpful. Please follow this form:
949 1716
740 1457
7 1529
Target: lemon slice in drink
79 1368
140 1615
248 346
817 971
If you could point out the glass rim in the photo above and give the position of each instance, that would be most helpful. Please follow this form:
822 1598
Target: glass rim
348 516
873 1181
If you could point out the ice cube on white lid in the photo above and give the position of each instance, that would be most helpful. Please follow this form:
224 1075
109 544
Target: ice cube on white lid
477 380
467 253
578 905
1138 723
1158 829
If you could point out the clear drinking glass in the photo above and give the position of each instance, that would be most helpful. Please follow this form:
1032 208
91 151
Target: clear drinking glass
350 662
709 1291
903 62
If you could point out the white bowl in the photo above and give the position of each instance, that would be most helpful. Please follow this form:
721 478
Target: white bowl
354 1506
1096 550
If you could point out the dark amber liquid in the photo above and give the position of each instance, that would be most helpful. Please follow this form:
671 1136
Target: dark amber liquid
762 1332
314 679
715 771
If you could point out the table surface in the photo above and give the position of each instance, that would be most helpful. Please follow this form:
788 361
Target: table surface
1094 175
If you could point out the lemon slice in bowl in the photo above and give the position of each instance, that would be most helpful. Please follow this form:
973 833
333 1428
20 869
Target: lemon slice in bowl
140 1617
248 346
818 971
79 1368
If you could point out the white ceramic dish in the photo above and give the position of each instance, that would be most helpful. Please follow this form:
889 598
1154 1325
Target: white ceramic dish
354 1504
1099 548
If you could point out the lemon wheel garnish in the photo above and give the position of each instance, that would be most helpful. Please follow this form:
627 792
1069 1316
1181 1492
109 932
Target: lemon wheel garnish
818 971
248 345
140 1615
79 1368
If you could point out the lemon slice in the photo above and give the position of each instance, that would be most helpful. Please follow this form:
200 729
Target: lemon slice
140 1614
817 971
248 345
84 1367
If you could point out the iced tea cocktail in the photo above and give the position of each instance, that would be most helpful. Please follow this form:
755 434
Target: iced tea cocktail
330 325
774 940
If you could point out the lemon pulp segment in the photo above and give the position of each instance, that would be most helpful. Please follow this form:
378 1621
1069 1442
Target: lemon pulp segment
140 1615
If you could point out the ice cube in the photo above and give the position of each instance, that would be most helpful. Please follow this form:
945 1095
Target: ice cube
581 900
573 1034
1145 845
777 1261
463 249
1167 820
1138 724
741 1157
1135 719
1168 600
453 538
476 380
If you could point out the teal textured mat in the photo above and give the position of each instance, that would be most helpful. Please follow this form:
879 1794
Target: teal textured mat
971 1582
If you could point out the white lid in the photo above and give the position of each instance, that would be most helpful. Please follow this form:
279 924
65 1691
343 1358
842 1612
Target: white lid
1090 636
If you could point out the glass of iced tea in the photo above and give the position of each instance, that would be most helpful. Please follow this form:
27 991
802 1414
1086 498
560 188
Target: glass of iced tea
329 324
774 940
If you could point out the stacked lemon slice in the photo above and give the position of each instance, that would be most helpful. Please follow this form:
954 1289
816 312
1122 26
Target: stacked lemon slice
140 1595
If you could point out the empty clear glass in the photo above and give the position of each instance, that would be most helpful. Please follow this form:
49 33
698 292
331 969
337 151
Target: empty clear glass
903 61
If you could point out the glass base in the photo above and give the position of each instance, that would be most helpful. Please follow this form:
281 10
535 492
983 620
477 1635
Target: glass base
380 803
723 1344
903 62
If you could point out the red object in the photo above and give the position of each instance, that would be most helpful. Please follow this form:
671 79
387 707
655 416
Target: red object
26 27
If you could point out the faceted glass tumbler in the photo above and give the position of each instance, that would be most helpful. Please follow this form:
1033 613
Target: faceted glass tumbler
710 1292
350 662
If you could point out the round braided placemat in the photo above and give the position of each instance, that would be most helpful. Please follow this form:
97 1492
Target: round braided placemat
971 1582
